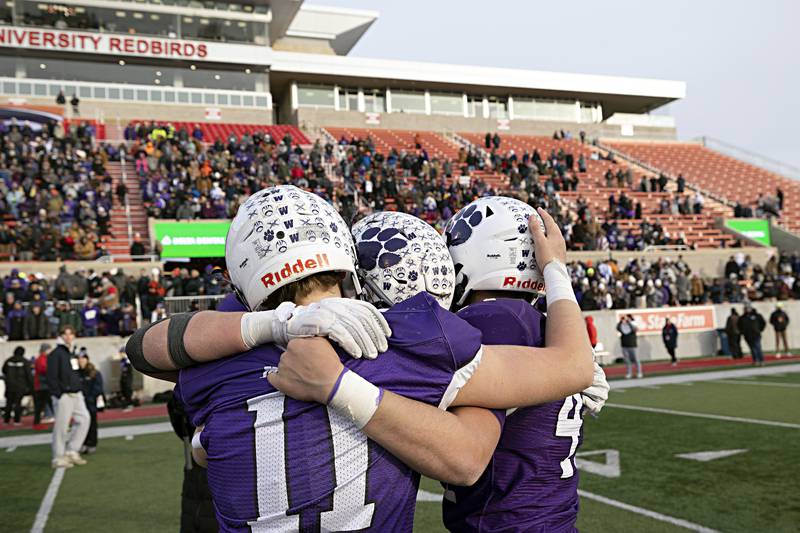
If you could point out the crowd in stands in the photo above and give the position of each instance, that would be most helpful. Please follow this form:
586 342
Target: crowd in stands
434 189
644 284
94 303
766 206
183 177
55 192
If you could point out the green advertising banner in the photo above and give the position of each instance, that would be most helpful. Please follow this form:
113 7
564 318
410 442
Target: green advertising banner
192 239
755 229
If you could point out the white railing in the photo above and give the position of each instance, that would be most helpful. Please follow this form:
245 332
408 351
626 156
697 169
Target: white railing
731 150
647 166
123 92
182 304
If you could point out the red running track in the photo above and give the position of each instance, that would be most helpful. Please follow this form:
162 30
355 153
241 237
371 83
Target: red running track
694 364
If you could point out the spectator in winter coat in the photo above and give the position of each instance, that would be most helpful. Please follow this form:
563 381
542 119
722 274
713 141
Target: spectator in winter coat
41 392
126 380
15 322
89 318
780 321
591 330
92 386
627 329
669 334
65 385
37 326
751 324
67 316
697 290
734 337
19 382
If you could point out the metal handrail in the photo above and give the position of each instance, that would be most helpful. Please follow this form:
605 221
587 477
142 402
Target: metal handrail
721 199
760 160
111 258
123 177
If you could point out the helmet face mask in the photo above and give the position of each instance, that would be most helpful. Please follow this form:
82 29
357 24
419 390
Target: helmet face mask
281 235
492 247
400 255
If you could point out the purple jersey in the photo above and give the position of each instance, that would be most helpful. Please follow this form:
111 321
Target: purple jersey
277 464
531 483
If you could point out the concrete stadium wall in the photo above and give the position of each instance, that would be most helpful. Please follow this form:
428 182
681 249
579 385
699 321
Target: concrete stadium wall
786 241
438 123
708 262
104 354
694 344
110 112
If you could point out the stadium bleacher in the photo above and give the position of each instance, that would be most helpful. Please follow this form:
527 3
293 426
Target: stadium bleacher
732 179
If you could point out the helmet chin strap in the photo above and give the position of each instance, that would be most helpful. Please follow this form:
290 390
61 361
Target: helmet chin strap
372 287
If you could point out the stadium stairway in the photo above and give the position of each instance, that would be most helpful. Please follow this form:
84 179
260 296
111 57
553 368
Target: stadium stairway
719 174
119 243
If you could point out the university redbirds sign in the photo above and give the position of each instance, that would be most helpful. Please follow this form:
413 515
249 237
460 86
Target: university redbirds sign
129 45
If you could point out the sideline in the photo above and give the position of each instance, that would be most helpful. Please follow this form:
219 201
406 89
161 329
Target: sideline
104 433
47 502
646 512
425 496
704 376
758 382
704 415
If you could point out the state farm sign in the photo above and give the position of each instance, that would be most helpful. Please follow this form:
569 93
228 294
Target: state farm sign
651 321
126 45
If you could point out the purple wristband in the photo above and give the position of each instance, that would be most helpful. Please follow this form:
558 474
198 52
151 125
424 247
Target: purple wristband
336 385
380 396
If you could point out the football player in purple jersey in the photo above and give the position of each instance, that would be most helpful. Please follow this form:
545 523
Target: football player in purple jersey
276 463
530 483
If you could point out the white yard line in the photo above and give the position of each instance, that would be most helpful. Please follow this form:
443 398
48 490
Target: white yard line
704 376
47 501
646 512
104 433
704 415
757 382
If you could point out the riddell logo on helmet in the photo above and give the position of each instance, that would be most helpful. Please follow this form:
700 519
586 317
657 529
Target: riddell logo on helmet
270 279
516 283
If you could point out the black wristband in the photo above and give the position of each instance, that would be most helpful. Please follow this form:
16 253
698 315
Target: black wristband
177 349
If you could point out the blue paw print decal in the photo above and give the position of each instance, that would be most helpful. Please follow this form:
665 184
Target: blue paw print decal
463 223
378 247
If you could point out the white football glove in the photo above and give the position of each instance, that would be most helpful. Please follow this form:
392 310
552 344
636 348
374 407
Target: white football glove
594 398
358 327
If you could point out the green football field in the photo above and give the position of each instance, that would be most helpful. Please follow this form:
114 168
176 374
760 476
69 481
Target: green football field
749 479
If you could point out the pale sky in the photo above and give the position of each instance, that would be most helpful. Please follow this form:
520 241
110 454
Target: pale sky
740 60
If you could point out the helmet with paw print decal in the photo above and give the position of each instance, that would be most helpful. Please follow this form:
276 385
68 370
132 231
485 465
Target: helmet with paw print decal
400 255
492 247
276 239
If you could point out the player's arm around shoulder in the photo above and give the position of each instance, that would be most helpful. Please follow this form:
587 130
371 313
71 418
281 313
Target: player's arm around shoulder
188 339
451 446
516 376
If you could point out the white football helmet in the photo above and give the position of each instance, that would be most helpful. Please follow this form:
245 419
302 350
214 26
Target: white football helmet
281 235
492 247
400 255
